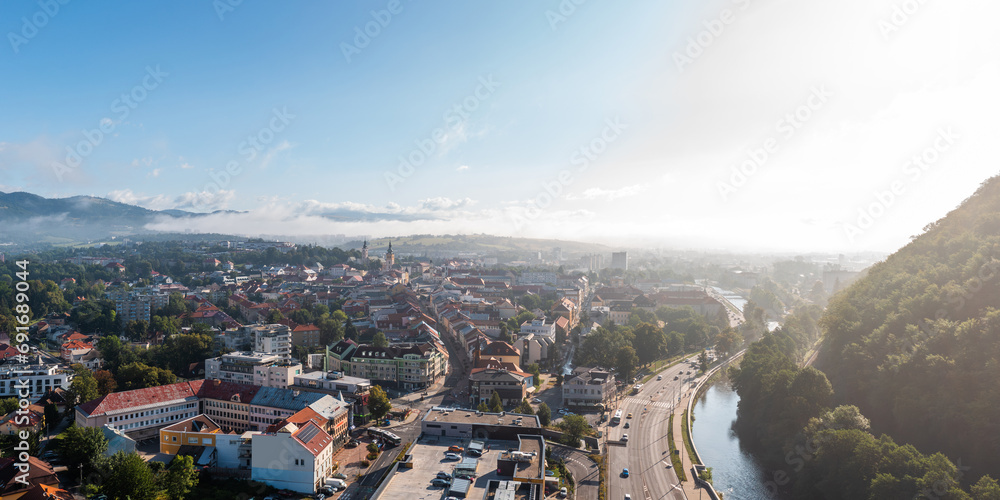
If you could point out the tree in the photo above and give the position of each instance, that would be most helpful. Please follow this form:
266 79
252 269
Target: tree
140 376
83 446
115 353
274 316
625 361
128 476
505 334
574 427
135 330
52 416
482 407
536 373
8 405
986 489
379 404
650 342
178 480
703 360
105 382
544 414
83 388
524 407
379 340
496 405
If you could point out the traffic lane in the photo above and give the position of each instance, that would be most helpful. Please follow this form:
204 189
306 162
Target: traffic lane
618 486
654 455
585 472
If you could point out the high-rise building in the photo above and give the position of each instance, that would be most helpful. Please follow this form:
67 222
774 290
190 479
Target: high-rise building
619 260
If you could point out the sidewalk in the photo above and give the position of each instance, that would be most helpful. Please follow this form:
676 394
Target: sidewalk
691 489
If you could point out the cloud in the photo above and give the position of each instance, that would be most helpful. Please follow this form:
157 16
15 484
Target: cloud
39 155
608 194
462 168
155 172
271 153
184 163
198 201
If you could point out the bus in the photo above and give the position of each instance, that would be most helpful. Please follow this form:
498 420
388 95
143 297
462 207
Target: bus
617 419
386 436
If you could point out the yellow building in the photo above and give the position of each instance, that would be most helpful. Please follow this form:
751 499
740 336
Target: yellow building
196 431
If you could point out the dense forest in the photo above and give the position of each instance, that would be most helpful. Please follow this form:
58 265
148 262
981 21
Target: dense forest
916 343
910 353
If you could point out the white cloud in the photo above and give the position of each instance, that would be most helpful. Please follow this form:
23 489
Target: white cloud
155 172
271 153
462 168
197 201
608 194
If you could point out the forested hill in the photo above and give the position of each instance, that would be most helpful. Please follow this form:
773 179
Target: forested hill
916 343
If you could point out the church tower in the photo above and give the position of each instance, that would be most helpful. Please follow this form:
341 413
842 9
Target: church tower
390 259
364 252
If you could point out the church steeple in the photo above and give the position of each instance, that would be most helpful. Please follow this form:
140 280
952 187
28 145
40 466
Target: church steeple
364 251
390 258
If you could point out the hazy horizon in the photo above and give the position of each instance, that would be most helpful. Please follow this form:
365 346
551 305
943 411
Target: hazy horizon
733 125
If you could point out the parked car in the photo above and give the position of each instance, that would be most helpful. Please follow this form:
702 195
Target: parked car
443 475
440 482
550 473
625 472
563 492
456 449
474 453
326 490
339 475
452 456
536 400
625 437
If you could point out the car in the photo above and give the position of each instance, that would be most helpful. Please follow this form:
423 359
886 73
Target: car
626 425
443 475
452 456
659 377
629 416
625 437
628 497
625 472
338 475
351 444
440 482
474 453
676 377
563 492
536 400
550 473
456 449
326 490
320 496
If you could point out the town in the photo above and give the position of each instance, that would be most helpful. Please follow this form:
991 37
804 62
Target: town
278 378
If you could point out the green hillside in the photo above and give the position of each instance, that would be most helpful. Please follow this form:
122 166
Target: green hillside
916 343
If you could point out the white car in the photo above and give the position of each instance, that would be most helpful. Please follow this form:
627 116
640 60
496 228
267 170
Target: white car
625 438
452 456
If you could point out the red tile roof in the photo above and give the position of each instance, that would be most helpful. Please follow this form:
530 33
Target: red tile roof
120 401
313 437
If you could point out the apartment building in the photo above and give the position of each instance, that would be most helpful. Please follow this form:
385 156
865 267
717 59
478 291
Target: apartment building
257 368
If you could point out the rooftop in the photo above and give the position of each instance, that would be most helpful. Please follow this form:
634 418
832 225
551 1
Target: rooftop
483 418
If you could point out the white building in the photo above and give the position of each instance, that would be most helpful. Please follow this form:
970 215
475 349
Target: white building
37 377
539 327
138 304
272 339
537 278
293 457
258 368
588 387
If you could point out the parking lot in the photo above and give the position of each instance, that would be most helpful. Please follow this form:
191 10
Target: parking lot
429 459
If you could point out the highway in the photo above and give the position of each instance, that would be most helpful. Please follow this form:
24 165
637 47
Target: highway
646 453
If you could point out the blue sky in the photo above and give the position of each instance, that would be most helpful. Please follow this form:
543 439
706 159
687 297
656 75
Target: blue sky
645 107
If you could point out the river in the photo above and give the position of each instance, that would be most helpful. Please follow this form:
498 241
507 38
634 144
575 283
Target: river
735 473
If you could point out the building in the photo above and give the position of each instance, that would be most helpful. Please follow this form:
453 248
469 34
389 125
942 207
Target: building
141 413
298 458
537 278
502 352
538 327
137 304
407 366
305 335
619 260
332 383
199 430
588 387
511 386
272 339
534 348
37 378
471 424
257 368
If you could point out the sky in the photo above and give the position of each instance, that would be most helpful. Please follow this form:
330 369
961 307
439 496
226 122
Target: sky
774 125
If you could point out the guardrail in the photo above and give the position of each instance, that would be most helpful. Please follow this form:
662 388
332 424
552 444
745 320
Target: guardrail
695 457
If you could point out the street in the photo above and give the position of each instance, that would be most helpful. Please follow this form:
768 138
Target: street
646 454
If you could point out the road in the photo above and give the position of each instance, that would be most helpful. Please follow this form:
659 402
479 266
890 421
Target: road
584 470
646 454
